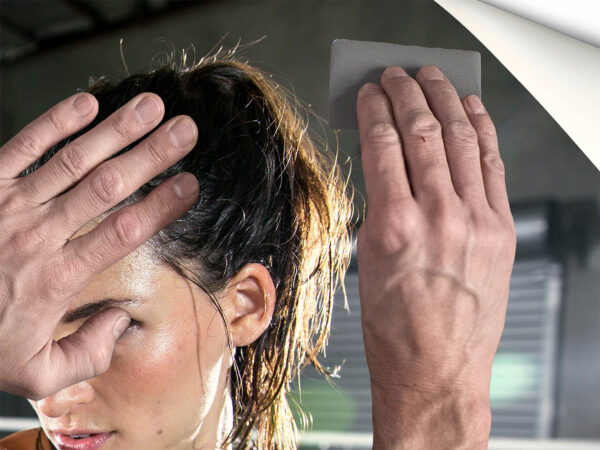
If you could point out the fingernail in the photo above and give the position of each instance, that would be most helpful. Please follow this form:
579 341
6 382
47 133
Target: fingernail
147 110
475 105
393 72
182 133
121 326
185 185
431 73
83 105
370 88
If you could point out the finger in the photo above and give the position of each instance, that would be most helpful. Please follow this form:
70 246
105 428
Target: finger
56 124
492 167
74 161
87 352
460 139
128 228
421 135
381 151
118 178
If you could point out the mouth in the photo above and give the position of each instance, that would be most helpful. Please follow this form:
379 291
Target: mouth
81 440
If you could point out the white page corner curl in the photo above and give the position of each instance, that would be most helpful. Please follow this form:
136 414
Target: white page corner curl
561 72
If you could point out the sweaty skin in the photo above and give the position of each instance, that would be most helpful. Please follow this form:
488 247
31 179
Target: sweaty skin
41 268
167 383
435 256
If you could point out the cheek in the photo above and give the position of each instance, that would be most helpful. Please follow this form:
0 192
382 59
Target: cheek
177 367
152 365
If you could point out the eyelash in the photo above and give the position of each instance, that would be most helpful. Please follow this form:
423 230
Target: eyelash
134 324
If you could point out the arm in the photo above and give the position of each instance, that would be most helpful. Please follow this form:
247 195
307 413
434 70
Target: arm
435 255
41 268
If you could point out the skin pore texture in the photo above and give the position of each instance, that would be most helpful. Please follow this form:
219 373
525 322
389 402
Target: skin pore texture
167 386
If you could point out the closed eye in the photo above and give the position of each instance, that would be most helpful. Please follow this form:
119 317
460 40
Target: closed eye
134 324
89 309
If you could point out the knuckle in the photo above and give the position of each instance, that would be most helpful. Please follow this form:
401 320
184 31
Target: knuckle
406 227
460 131
381 133
126 228
120 127
107 184
449 217
386 235
487 129
29 143
57 121
71 161
422 123
452 229
380 243
492 162
155 151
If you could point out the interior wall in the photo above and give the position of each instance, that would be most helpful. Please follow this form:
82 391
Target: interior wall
541 161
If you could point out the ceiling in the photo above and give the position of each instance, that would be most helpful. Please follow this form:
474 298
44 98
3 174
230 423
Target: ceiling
31 26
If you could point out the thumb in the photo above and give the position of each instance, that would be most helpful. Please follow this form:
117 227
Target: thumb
88 352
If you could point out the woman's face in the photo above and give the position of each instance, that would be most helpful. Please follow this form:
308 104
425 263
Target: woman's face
166 387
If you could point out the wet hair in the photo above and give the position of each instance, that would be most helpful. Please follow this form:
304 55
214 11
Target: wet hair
268 194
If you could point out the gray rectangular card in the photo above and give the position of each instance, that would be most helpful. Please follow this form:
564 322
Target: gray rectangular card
354 63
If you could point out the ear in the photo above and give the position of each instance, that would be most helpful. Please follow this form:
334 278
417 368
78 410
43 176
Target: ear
250 299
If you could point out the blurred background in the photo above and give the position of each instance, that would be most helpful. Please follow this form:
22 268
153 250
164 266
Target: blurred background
545 382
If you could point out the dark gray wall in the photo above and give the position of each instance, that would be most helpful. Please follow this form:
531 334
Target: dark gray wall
541 161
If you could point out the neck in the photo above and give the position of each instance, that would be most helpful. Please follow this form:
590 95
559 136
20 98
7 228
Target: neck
226 420
217 425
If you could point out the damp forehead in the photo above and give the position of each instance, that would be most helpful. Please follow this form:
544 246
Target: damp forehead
137 272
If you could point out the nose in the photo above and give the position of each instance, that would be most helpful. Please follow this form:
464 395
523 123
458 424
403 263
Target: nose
63 402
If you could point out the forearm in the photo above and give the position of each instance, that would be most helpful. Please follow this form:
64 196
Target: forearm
414 420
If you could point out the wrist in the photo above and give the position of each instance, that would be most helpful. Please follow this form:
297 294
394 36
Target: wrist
412 418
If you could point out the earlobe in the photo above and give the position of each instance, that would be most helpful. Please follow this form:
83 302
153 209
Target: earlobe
252 301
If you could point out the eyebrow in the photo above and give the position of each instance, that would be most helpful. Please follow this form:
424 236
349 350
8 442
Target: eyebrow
89 309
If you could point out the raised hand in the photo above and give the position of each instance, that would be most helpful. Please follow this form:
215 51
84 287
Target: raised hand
44 264
435 256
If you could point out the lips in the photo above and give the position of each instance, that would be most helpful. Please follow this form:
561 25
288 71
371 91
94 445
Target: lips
81 440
